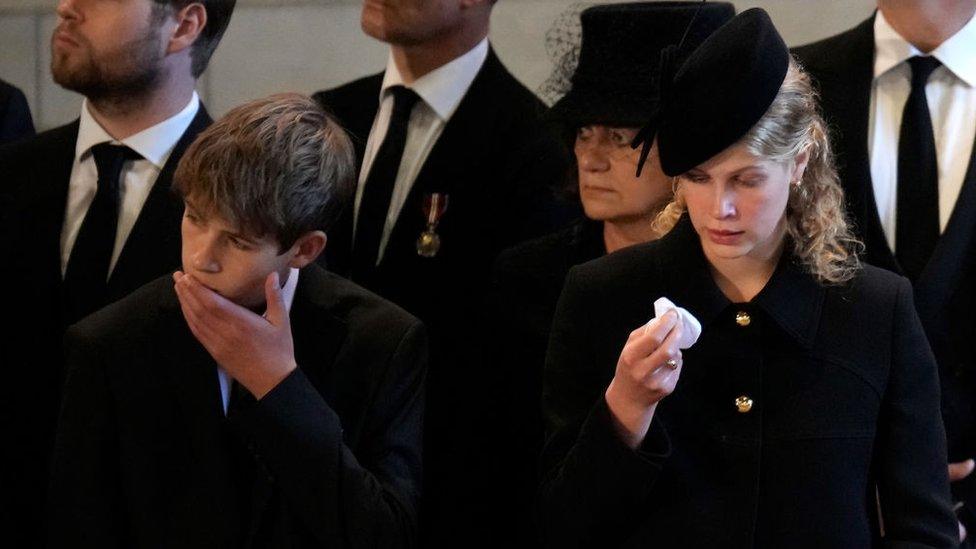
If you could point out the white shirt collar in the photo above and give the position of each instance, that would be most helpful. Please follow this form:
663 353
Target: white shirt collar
154 143
444 87
956 53
288 290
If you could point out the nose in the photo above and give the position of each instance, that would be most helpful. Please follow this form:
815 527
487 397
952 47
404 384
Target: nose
723 204
66 9
205 256
593 156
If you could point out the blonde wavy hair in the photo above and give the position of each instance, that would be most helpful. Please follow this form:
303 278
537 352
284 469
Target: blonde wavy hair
816 220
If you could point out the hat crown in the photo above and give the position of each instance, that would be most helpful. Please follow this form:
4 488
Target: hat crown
723 89
615 80
621 43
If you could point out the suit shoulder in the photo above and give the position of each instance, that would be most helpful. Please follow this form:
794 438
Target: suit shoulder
881 283
130 315
357 307
339 98
539 253
621 269
21 151
825 52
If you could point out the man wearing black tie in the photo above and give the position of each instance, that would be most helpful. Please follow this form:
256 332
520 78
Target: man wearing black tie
455 166
899 92
86 211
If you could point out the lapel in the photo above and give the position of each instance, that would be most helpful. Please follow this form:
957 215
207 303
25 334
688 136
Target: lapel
155 237
846 94
318 336
453 165
943 273
358 117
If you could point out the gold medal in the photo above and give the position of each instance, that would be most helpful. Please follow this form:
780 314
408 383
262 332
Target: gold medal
429 242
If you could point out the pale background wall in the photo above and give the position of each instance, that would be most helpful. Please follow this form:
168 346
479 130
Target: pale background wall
307 45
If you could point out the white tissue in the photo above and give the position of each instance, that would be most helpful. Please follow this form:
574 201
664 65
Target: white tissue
690 327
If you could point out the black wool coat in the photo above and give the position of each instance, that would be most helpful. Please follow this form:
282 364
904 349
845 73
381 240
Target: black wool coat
945 293
329 458
844 406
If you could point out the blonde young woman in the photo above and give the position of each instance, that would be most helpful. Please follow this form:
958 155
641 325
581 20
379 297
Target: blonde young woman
807 414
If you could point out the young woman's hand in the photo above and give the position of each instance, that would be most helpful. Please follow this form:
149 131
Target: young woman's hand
647 371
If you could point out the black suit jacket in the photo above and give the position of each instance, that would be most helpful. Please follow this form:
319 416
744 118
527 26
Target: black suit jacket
945 294
845 399
498 165
146 458
34 190
15 116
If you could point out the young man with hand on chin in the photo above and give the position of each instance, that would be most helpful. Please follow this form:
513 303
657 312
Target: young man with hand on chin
251 399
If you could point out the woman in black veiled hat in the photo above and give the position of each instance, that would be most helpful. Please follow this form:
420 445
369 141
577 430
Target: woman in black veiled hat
807 414
612 94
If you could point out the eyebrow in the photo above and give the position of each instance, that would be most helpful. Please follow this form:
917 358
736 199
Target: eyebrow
236 234
241 236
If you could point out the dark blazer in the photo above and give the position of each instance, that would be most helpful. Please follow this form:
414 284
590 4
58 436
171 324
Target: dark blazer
527 281
945 294
146 458
845 402
34 190
498 166
15 116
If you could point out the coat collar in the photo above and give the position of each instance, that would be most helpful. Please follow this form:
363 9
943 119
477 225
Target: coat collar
792 298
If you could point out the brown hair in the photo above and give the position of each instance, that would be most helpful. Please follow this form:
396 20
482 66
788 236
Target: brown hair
278 166
815 214
218 17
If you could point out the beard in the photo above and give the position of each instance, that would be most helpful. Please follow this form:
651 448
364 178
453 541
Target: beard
128 71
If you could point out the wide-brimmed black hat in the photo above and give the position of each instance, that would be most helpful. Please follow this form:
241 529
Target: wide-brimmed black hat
616 77
721 91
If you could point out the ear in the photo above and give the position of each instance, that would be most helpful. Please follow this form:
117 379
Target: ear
800 165
306 249
190 21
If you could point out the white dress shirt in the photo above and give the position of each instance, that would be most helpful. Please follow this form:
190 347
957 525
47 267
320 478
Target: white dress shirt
154 144
440 91
951 94
288 294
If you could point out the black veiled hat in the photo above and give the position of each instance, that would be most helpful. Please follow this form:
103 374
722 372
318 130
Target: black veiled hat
723 89
616 77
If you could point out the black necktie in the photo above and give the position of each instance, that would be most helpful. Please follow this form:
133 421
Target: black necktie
917 221
375 203
86 276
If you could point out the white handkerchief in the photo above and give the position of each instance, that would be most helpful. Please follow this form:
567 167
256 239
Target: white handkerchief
690 327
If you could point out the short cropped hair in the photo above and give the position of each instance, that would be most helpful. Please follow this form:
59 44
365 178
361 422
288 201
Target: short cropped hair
276 167
218 17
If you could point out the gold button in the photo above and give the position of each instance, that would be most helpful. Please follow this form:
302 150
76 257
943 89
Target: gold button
742 318
743 404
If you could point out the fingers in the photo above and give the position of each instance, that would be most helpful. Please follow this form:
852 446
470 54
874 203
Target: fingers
277 313
961 470
657 363
649 337
962 532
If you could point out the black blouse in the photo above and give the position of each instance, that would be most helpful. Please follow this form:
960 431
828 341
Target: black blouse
795 414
